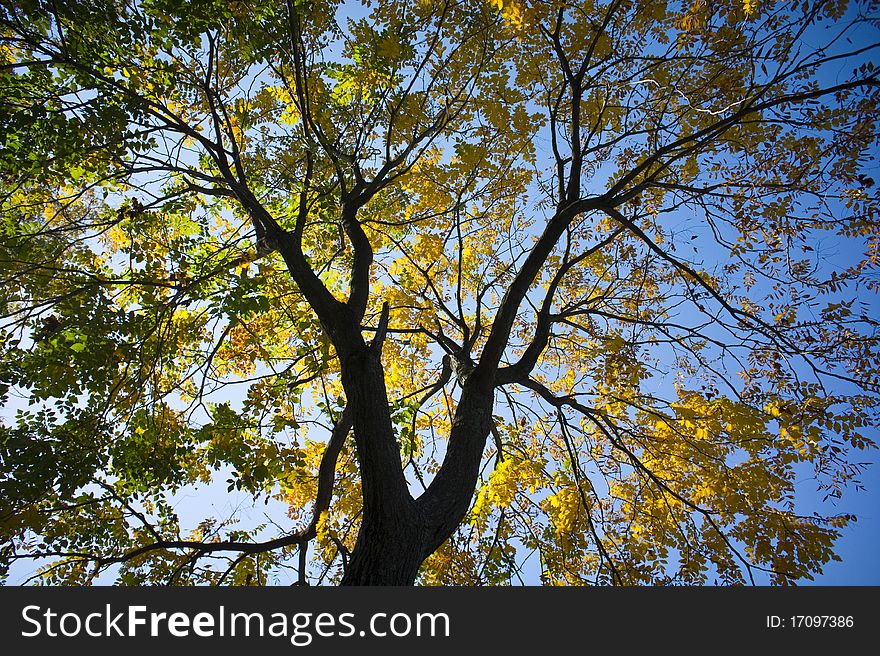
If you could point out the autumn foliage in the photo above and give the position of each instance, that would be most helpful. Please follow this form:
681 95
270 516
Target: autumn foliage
483 291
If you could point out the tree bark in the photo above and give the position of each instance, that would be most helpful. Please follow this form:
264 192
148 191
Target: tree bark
388 548
398 532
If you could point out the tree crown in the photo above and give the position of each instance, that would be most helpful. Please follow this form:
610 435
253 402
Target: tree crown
591 284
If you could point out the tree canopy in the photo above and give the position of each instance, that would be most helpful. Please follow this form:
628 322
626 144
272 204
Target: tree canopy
475 287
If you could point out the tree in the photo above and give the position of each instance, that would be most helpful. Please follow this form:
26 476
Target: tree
467 284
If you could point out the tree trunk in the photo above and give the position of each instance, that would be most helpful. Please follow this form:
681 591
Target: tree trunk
398 532
387 552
